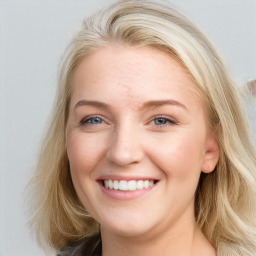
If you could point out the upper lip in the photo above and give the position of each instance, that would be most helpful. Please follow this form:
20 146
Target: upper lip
127 178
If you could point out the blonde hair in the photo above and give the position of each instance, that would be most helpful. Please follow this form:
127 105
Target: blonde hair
226 198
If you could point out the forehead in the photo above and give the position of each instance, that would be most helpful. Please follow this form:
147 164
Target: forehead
136 74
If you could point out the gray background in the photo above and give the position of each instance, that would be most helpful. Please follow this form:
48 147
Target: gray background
33 36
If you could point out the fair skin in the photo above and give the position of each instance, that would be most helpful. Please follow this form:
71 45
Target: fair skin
134 115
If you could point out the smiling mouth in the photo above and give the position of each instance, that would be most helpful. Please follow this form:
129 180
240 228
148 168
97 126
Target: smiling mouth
131 185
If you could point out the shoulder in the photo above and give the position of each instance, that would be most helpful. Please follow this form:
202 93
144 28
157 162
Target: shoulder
88 247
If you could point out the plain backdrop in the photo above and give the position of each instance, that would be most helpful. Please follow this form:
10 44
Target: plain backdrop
34 34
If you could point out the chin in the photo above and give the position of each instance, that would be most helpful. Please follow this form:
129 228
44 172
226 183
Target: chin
132 227
127 232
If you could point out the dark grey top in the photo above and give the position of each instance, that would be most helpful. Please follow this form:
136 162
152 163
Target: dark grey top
88 247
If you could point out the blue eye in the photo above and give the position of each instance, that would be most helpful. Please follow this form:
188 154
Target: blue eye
161 121
92 120
95 120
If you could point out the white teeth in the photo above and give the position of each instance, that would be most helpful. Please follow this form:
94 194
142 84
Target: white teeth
123 185
116 185
146 184
110 184
131 185
140 184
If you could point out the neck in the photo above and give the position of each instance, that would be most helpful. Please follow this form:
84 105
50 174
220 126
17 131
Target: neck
184 242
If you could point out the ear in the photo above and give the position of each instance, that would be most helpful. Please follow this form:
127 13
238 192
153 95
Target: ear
212 153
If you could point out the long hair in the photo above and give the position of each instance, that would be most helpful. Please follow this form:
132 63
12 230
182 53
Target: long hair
225 199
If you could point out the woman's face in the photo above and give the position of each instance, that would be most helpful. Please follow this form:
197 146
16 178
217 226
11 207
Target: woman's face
137 127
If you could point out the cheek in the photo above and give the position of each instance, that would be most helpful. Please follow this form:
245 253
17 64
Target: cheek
179 156
83 153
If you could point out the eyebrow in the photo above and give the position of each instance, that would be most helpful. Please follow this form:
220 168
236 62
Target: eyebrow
158 103
91 103
147 105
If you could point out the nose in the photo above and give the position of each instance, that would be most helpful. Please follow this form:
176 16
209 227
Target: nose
125 147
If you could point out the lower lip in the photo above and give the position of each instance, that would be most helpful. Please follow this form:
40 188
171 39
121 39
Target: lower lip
125 195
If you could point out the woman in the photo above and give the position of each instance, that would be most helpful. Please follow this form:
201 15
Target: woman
148 151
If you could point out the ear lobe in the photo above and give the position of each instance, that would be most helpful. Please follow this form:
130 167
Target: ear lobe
212 154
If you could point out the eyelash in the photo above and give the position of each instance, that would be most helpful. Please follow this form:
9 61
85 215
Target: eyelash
167 121
88 118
